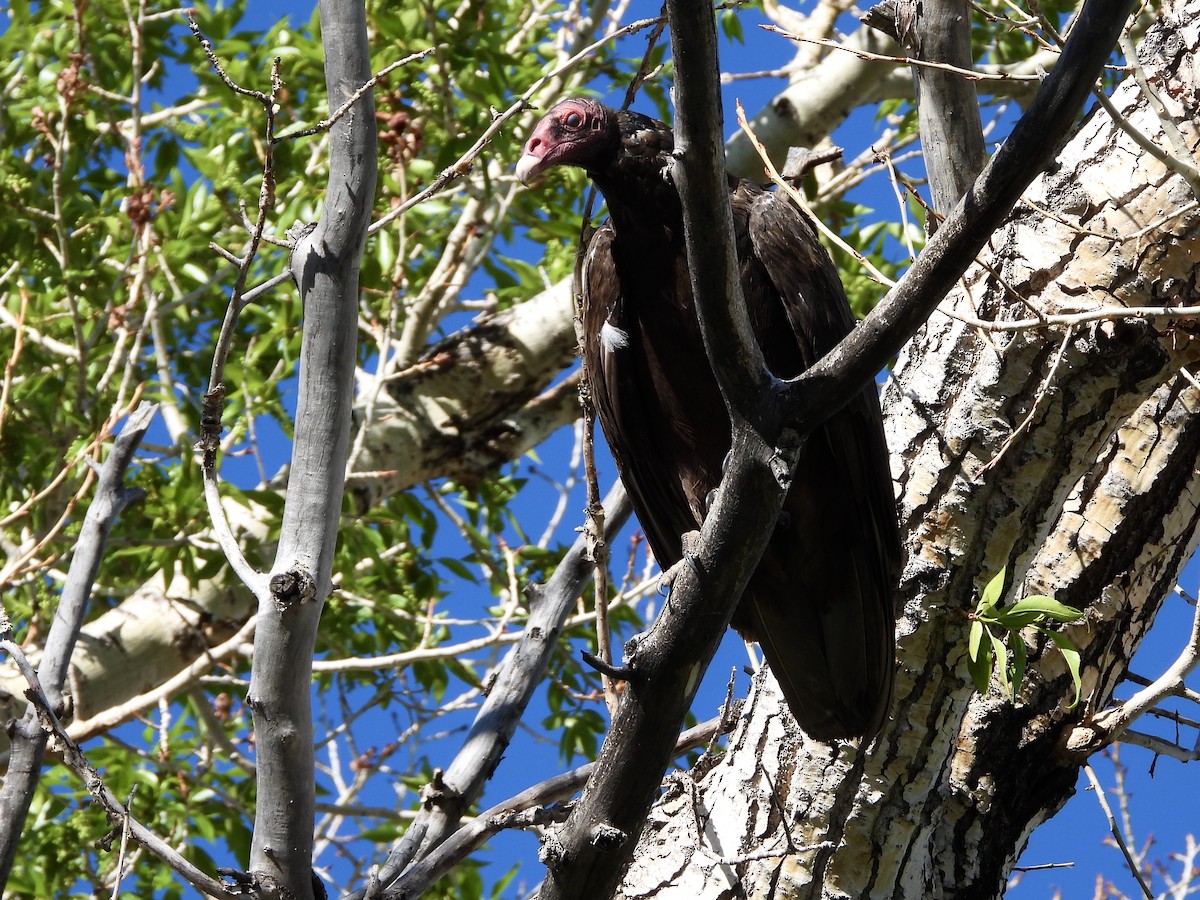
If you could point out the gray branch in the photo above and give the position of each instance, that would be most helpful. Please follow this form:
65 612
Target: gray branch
118 813
507 698
947 107
325 265
503 815
28 736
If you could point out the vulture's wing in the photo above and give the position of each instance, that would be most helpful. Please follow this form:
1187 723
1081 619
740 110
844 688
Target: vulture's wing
821 603
635 402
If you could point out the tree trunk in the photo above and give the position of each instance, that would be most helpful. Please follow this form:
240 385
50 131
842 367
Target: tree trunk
1067 454
325 265
947 107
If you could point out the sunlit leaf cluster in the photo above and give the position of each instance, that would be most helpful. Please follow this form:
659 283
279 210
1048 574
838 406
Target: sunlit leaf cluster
996 644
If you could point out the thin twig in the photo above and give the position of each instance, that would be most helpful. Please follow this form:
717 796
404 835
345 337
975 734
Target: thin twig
210 424
120 873
472 835
597 548
325 124
1181 167
1116 832
1051 320
1113 722
461 166
969 74
73 757
799 200
114 716
1181 153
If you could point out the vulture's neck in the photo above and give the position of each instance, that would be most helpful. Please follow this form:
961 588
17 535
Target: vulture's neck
642 200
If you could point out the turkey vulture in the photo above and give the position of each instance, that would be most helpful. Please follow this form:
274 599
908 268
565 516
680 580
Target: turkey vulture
820 603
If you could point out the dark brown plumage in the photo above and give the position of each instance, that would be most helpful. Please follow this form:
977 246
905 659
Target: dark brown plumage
821 600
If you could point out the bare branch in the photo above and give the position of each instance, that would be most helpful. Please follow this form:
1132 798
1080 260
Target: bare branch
189 675
28 738
368 85
1180 165
509 695
961 72
471 836
1134 869
325 264
947 107
214 397
1074 319
1109 725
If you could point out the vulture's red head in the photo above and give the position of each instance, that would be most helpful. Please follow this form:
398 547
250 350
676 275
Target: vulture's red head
576 132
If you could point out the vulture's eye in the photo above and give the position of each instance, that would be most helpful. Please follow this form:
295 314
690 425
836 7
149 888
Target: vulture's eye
573 120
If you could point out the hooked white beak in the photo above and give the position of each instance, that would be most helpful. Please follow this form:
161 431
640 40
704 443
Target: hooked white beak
529 167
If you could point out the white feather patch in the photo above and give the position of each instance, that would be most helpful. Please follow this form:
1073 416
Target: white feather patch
613 338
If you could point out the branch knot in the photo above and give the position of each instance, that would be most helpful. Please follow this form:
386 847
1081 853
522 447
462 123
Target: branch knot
292 587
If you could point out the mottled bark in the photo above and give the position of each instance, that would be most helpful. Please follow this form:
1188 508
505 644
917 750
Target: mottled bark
1095 501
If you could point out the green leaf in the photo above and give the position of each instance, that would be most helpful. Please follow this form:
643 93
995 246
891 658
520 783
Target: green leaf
993 592
459 568
1003 674
1071 655
980 663
1011 621
1047 607
502 882
975 639
1019 660
732 26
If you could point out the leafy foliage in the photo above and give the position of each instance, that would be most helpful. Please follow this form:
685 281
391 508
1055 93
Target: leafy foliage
995 644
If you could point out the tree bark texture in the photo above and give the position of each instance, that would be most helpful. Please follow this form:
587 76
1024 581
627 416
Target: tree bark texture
325 264
1094 501
947 108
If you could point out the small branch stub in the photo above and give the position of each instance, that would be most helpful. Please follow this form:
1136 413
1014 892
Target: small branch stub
616 673
437 791
606 838
210 420
292 587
